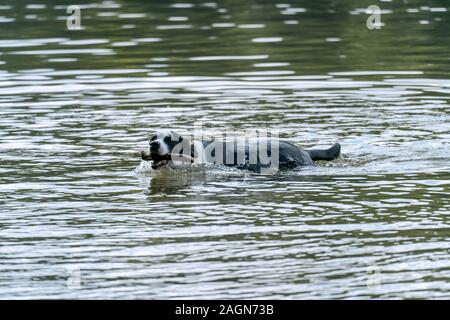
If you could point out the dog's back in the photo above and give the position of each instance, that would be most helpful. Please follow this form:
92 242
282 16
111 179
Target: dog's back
257 155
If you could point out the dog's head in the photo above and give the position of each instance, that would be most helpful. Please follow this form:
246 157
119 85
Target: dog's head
163 142
161 145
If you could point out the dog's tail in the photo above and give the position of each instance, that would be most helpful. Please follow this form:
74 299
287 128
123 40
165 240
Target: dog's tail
328 154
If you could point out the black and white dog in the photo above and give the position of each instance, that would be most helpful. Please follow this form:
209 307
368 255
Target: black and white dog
169 149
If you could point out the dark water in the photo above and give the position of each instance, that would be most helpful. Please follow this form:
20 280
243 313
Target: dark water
82 218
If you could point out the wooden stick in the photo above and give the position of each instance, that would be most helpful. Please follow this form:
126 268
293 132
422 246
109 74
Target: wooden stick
170 156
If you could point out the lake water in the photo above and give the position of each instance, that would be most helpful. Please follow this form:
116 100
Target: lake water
82 217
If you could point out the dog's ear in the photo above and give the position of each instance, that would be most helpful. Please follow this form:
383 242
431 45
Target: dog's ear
176 137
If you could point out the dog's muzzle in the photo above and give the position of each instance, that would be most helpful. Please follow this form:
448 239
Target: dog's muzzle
154 147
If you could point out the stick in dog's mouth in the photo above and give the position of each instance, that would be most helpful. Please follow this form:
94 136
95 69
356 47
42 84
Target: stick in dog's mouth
156 158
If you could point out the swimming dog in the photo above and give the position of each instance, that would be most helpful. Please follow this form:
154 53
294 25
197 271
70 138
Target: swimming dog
169 149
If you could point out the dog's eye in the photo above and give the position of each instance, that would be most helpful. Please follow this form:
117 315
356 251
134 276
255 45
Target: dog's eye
167 140
152 138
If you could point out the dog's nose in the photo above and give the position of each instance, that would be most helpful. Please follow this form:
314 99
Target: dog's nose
154 145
